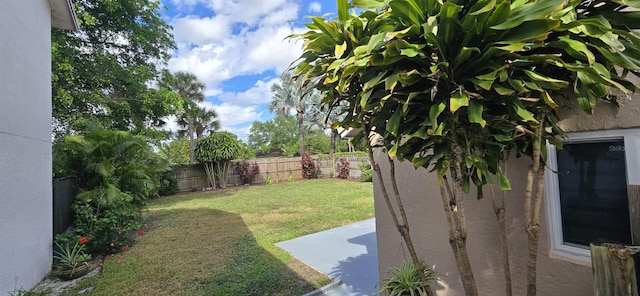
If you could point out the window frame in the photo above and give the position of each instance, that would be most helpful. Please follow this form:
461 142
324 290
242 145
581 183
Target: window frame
558 248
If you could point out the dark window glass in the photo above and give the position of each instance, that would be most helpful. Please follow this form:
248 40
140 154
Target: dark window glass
593 193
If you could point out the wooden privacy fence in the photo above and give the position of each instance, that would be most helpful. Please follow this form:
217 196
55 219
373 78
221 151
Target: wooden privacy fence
194 177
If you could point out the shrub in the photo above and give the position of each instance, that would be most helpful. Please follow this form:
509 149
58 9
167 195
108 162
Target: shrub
367 172
309 167
117 173
405 280
216 152
168 184
247 171
343 168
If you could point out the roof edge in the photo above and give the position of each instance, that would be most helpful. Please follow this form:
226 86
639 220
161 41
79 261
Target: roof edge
62 15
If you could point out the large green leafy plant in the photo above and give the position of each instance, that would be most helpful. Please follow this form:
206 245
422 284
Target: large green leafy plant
116 173
216 152
453 86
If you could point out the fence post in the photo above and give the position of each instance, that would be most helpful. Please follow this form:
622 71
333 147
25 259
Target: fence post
614 270
277 171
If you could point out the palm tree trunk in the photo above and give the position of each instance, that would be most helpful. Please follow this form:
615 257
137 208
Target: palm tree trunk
192 147
301 131
499 208
332 145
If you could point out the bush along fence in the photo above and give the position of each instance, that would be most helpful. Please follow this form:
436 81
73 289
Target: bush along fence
193 177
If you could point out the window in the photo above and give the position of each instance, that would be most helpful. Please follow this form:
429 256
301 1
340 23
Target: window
587 190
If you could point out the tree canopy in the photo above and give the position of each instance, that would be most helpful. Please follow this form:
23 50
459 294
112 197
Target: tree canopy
102 73
452 85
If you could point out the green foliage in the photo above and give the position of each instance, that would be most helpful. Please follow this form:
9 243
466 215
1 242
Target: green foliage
342 167
116 172
176 152
405 281
219 147
309 167
168 184
277 133
108 230
460 82
68 257
216 152
366 170
102 73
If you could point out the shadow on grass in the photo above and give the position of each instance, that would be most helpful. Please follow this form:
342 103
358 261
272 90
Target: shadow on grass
360 273
201 252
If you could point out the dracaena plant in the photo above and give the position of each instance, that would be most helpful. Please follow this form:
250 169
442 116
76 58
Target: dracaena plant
453 86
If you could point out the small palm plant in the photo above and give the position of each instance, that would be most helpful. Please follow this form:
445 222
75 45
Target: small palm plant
405 280
72 262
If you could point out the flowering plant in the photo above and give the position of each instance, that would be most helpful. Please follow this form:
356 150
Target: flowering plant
71 258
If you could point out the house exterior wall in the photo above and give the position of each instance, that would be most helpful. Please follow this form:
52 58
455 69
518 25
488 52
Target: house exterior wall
421 197
25 144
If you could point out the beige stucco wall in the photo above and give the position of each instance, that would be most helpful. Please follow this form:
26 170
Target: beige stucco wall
421 196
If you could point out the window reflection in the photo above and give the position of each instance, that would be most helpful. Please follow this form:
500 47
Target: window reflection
593 192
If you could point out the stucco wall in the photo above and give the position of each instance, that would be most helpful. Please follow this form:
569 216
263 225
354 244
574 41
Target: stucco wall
422 200
25 143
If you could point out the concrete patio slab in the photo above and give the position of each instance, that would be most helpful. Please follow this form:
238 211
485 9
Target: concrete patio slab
348 253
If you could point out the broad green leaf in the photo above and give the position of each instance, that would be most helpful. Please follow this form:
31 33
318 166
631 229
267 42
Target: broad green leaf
503 91
434 112
539 77
503 181
532 31
458 99
488 6
547 99
521 110
343 10
484 84
475 113
535 10
340 49
393 125
408 10
367 3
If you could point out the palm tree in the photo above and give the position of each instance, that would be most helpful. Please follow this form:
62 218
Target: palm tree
203 120
191 90
290 94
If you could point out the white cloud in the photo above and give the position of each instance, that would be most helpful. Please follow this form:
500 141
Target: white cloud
260 93
315 7
201 31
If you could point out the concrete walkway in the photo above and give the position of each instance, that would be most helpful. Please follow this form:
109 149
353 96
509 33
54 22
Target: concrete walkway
348 253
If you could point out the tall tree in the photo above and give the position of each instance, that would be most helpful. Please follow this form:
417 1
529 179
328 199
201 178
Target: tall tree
102 73
191 90
204 120
277 133
452 85
290 94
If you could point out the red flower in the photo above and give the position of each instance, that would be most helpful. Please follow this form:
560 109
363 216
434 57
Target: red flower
83 240
141 232
124 248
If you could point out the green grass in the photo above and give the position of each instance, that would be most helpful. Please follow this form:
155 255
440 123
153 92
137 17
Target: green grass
222 242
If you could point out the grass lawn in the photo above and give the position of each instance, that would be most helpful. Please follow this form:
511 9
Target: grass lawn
222 242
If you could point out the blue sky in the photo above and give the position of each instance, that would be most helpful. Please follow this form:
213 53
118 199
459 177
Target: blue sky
238 49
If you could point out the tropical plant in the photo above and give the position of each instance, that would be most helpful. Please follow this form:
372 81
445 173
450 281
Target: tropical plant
405 280
309 167
116 173
453 86
204 120
290 94
168 184
247 171
176 152
216 152
70 258
342 167
276 133
365 168
191 90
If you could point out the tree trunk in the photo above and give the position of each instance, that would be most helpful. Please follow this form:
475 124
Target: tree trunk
403 228
332 144
532 207
459 240
301 131
192 147
499 208
614 269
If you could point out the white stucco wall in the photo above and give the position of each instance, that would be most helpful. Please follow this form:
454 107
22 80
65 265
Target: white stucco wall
25 143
